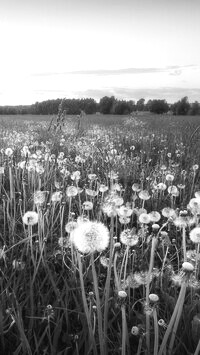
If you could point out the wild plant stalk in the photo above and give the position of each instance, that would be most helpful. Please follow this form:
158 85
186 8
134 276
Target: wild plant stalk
156 338
107 285
99 312
184 243
197 351
173 318
178 316
86 310
153 246
124 329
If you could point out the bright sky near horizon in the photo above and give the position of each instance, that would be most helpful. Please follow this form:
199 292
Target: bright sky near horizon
73 48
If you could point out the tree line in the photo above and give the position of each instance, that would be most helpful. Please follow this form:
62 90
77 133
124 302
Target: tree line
106 105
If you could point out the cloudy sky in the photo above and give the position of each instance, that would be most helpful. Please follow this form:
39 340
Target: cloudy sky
91 48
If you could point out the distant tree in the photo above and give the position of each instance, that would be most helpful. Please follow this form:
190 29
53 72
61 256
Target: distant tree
195 108
181 107
159 106
140 105
107 104
148 105
123 107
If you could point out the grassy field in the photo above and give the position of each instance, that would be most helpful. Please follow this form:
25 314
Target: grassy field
100 235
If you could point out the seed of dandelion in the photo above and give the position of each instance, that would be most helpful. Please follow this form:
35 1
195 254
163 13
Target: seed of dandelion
71 191
187 267
87 206
70 226
135 331
131 282
122 294
90 237
169 177
56 196
154 216
8 152
91 192
30 218
144 195
153 298
39 197
144 218
136 187
129 237
103 188
168 212
195 235
169 155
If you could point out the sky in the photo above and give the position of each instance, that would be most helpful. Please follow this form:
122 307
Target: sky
131 49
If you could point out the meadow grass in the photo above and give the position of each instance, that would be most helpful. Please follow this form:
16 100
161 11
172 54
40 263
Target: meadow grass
99 235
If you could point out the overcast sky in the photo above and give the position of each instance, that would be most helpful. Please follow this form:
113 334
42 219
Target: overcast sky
91 48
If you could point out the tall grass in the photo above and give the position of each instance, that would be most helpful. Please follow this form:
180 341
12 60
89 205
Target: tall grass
137 177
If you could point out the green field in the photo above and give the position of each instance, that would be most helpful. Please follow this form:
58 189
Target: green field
100 235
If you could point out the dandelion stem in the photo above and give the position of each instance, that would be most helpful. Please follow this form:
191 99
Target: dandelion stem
173 318
99 314
153 245
85 304
155 318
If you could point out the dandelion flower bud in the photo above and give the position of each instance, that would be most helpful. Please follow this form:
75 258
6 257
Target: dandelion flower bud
153 298
90 237
187 267
30 218
155 226
122 294
135 331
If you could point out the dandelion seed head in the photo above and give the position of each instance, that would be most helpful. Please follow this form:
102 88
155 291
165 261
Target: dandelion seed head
129 237
144 218
154 216
195 235
30 218
90 237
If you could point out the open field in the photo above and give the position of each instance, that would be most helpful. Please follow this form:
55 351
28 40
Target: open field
100 235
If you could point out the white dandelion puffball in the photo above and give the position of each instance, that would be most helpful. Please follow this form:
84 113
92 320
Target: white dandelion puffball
195 235
30 218
90 237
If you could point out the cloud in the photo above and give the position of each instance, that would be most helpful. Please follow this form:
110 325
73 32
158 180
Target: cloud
172 70
171 94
